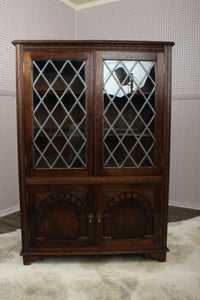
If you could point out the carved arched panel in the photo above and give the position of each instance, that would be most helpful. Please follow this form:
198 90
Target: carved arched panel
128 215
61 216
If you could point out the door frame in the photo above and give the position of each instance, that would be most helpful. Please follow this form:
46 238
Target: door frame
159 119
42 54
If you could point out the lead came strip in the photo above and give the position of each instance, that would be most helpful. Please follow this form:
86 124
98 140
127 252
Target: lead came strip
129 110
71 129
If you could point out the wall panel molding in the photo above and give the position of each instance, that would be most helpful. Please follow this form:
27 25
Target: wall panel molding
188 96
7 93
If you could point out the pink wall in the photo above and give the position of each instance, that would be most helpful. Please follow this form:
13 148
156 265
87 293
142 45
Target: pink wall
30 19
22 19
170 20
175 20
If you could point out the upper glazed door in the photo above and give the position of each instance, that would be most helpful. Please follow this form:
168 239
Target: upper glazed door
58 126
129 119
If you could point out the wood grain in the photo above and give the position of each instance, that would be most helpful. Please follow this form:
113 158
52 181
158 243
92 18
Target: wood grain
51 199
12 222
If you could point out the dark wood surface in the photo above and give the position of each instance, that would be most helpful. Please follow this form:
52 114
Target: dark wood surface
42 230
12 222
28 134
150 43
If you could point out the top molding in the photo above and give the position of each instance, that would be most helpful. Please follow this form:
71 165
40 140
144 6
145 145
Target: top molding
87 42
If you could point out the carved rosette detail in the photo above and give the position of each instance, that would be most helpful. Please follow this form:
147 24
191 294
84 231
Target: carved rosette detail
128 196
66 197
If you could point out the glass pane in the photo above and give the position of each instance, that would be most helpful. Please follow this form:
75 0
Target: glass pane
129 114
59 114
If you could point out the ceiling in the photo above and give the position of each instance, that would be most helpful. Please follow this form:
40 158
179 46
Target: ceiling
81 4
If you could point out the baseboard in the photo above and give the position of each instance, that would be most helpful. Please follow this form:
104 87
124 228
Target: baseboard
184 205
7 93
9 210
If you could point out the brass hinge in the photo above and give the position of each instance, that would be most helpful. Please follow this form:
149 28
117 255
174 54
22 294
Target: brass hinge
163 68
23 67
25 161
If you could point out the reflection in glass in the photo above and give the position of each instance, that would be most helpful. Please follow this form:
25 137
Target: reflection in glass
129 114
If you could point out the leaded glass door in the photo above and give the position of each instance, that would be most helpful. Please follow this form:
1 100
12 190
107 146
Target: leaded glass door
60 123
130 106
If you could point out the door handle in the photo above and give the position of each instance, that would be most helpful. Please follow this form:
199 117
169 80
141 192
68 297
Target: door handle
90 218
99 218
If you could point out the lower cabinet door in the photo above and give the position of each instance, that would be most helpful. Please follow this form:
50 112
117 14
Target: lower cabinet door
61 216
128 216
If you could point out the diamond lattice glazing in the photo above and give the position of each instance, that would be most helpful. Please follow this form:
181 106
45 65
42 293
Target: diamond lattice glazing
59 114
129 114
